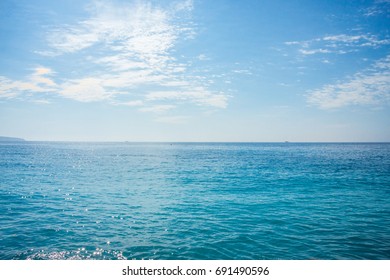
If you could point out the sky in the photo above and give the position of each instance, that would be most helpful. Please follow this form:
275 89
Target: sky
221 70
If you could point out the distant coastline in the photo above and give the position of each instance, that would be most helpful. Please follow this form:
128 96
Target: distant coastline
11 139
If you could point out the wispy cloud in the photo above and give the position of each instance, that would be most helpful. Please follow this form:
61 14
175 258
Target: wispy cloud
365 40
158 109
131 47
39 81
313 51
85 90
203 57
132 103
198 95
136 28
338 44
242 71
379 7
371 86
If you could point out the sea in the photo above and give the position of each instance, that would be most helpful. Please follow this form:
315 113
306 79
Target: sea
194 201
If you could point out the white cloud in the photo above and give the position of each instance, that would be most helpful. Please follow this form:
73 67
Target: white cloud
357 40
131 49
344 38
135 36
338 44
37 82
176 83
7 90
71 39
369 87
197 95
203 57
120 62
291 43
85 90
131 79
41 76
242 71
187 5
133 103
379 7
135 30
313 51
158 109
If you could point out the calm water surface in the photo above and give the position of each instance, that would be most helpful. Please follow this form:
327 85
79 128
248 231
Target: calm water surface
194 201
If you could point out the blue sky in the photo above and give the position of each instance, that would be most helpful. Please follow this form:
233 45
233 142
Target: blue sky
195 70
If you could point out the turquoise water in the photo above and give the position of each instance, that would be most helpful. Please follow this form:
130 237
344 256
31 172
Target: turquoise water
194 201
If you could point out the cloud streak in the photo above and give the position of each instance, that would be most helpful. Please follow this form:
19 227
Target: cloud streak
371 86
40 81
338 44
198 95
379 8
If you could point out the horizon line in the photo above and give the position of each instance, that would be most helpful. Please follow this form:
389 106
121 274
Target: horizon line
196 142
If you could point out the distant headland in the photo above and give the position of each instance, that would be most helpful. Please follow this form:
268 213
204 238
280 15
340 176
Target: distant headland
10 139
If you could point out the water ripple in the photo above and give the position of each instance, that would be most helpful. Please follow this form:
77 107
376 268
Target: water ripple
194 201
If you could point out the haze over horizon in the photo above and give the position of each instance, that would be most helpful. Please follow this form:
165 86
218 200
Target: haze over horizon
173 71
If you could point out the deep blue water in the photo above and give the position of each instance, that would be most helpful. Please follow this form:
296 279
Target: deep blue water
194 201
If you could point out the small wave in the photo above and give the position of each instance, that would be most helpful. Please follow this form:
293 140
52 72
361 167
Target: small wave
79 254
